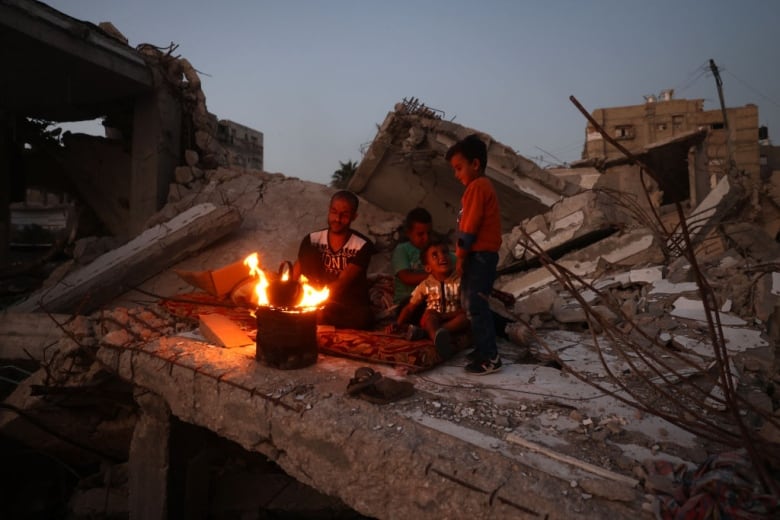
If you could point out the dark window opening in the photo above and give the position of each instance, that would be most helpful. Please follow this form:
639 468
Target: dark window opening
624 132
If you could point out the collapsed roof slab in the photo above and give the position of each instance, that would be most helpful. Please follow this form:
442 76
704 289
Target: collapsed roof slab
568 219
379 461
62 69
629 248
404 167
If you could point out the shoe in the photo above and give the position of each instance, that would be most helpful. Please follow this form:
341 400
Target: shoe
372 387
364 378
413 333
443 342
485 366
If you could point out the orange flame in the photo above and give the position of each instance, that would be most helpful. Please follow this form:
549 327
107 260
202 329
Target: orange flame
311 298
261 286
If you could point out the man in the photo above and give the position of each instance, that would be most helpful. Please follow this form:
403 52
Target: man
338 257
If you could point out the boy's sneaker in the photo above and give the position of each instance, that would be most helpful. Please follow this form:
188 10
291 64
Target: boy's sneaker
481 367
443 342
413 333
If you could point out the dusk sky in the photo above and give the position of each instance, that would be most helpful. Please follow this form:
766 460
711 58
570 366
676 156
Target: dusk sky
317 77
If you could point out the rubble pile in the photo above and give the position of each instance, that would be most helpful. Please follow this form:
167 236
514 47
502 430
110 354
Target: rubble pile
622 274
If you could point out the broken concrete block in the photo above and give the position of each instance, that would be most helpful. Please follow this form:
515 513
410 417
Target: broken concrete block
646 275
538 302
608 489
568 311
755 240
764 296
220 330
183 174
694 310
191 157
718 202
176 192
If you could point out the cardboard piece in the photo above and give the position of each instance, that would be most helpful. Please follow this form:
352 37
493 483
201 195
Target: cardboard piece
220 330
218 282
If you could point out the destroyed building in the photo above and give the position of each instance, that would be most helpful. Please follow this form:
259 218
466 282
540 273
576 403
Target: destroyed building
158 131
613 376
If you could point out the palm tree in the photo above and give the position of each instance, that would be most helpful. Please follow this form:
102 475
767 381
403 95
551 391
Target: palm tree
341 177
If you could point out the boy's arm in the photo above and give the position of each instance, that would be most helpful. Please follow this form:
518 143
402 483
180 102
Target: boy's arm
402 268
418 297
407 311
470 221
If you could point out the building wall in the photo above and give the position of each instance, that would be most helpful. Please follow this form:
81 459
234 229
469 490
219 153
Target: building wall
637 126
244 145
769 160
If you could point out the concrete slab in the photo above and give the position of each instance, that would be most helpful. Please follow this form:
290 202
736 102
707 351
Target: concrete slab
303 421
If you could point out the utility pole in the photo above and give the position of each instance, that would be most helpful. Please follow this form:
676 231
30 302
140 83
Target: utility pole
719 84
729 141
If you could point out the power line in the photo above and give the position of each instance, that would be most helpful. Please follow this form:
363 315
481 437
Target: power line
745 83
551 155
699 72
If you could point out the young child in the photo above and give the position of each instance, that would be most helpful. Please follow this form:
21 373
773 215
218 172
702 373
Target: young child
479 238
408 269
440 292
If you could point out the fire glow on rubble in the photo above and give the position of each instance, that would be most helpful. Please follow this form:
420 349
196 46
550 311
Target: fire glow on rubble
310 298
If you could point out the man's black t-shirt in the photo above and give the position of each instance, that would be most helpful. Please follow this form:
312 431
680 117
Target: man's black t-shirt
321 265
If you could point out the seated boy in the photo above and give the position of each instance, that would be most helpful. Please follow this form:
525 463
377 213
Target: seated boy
440 292
408 268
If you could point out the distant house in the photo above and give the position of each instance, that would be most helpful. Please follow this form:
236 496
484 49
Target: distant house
664 131
244 145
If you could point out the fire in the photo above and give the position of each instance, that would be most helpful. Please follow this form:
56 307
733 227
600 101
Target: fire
261 287
310 299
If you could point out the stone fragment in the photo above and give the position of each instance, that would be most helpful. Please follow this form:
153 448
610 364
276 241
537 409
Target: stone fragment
191 157
537 302
183 174
609 489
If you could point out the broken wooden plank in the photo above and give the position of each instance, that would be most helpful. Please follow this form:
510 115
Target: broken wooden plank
118 271
28 335
219 330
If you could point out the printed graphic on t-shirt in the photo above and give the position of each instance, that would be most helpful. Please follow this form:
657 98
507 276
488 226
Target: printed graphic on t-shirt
335 261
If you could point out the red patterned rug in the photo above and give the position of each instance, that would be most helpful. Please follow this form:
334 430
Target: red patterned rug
371 346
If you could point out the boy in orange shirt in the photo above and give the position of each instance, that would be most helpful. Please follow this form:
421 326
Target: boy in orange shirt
479 238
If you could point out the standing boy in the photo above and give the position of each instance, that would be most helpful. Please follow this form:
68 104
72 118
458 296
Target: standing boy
479 238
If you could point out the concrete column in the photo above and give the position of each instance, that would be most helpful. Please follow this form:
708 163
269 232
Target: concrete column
155 153
149 459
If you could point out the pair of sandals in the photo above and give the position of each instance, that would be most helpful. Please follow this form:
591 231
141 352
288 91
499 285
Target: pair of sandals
371 386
